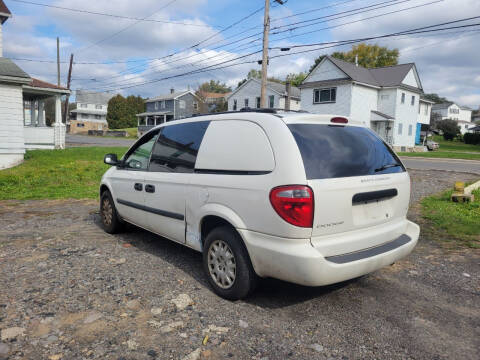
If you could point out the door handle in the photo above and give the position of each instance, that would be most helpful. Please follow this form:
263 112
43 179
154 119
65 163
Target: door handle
138 186
149 188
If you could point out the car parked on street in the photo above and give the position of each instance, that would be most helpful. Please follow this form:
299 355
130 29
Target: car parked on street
310 199
432 145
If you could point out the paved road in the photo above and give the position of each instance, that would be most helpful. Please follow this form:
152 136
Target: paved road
84 140
464 166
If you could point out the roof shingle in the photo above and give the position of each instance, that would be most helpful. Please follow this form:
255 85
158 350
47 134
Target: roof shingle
9 68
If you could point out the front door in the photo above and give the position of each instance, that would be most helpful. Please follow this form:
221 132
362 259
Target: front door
166 183
128 181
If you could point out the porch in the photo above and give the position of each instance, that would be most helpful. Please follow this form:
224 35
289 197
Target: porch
37 133
382 124
148 120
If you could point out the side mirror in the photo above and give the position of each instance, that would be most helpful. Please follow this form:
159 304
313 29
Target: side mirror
111 159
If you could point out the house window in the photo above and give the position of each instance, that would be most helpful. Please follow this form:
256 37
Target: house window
181 104
162 104
156 105
426 110
400 126
271 101
234 104
324 95
84 116
98 117
80 125
258 102
403 98
385 97
195 106
454 111
246 103
410 129
98 107
413 101
83 106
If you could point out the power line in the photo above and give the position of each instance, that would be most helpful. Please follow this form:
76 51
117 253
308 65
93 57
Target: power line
330 45
113 83
107 14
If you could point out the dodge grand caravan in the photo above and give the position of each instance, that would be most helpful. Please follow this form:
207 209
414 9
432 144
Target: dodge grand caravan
310 199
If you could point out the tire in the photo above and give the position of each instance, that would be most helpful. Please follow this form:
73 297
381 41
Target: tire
230 250
111 222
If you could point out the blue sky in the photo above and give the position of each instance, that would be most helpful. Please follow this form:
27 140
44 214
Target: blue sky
448 64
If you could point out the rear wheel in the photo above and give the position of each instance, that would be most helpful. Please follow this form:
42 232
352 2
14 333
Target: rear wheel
108 213
227 264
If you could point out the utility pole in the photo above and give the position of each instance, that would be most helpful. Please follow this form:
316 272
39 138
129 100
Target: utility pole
58 61
266 30
68 87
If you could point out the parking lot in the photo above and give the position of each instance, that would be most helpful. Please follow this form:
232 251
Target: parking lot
71 291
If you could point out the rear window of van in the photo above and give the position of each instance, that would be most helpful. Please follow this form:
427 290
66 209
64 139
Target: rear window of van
332 151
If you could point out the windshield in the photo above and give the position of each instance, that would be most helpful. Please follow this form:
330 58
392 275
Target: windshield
332 151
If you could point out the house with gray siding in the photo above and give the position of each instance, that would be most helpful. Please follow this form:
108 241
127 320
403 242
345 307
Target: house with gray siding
173 106
247 95
387 99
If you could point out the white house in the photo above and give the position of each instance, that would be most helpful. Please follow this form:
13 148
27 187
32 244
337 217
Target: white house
247 95
18 132
91 112
388 99
450 110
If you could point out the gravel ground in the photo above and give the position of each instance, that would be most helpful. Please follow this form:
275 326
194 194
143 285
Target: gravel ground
71 291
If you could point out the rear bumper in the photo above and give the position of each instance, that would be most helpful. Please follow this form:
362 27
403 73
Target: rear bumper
297 261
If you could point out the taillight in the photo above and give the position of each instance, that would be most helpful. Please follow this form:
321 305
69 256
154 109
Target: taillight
294 204
339 120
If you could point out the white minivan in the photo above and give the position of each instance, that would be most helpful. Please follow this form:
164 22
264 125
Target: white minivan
310 199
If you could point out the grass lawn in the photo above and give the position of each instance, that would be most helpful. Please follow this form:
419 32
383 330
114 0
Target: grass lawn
455 223
55 174
132 132
449 150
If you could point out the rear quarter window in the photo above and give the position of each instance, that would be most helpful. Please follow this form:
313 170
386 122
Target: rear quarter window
332 151
235 145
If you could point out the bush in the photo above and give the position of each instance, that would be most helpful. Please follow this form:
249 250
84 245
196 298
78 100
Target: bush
449 127
473 139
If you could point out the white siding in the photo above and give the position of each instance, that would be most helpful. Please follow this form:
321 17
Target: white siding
364 100
387 101
250 91
340 107
407 115
465 115
424 115
39 137
294 104
410 79
12 145
1 41
325 71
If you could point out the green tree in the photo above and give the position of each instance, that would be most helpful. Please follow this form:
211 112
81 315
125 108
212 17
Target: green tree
435 98
296 79
121 111
257 74
449 127
214 86
369 56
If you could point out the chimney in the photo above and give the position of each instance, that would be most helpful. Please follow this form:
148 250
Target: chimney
172 90
288 88
356 60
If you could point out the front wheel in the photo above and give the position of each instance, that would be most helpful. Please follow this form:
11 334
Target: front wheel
227 264
108 213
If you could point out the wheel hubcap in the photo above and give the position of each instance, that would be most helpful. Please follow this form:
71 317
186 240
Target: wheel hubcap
221 264
107 212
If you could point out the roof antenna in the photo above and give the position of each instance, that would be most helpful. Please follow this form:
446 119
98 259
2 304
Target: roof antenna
356 60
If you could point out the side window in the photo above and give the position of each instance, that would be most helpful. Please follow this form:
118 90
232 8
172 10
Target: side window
138 156
235 104
234 146
177 147
271 101
257 102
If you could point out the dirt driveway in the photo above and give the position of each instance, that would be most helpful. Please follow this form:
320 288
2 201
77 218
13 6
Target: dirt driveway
70 291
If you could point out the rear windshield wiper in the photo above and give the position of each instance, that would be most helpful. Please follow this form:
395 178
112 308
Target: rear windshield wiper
385 167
